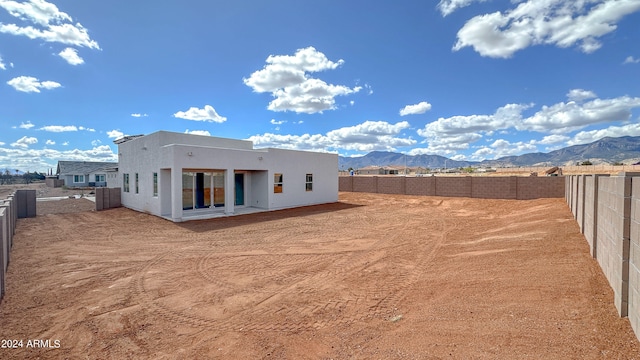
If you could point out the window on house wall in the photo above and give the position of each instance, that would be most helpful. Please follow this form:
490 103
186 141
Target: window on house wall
78 178
99 177
125 182
137 189
309 182
155 184
277 183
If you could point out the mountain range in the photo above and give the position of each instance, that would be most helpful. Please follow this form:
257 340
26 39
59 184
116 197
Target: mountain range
608 150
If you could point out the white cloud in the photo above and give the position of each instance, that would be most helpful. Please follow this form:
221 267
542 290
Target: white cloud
52 25
580 95
50 142
82 128
24 142
59 128
447 7
96 142
24 158
137 115
3 66
198 132
447 135
501 148
208 113
277 122
367 136
27 126
66 143
631 60
585 137
570 116
419 108
553 139
286 78
31 84
563 23
71 56
115 134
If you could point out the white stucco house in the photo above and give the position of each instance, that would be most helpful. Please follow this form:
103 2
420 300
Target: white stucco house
184 177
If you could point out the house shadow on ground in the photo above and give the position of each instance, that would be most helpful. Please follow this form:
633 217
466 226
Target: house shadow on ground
274 215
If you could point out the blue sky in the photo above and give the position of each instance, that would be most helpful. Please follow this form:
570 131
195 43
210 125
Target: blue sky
466 79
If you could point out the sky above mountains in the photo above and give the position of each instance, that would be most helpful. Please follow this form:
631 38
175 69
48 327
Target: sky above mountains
465 79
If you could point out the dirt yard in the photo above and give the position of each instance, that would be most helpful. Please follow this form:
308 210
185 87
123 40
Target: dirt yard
371 277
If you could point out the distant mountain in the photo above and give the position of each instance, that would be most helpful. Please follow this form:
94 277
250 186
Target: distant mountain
605 150
385 158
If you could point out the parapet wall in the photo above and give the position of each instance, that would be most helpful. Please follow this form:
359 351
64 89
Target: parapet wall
491 187
20 204
607 209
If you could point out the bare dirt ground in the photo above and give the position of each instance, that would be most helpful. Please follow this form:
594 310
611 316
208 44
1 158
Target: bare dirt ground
371 277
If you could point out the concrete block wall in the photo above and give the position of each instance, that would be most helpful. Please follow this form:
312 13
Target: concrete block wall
494 187
391 185
488 187
8 220
607 209
634 255
540 187
612 249
107 198
26 203
365 184
346 183
453 186
425 186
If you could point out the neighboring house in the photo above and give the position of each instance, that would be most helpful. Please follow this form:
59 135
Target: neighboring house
183 176
378 170
84 173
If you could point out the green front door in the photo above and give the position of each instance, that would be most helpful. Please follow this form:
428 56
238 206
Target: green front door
239 189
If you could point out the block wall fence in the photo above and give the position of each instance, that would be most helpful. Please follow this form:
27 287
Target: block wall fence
21 204
607 210
107 198
489 187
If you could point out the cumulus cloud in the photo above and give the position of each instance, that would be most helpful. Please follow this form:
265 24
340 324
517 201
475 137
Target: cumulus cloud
3 66
30 84
365 137
563 23
448 136
71 56
26 158
501 148
628 60
137 115
287 79
50 142
59 128
24 142
585 137
580 95
416 109
447 7
571 116
115 134
28 125
49 24
198 132
208 113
